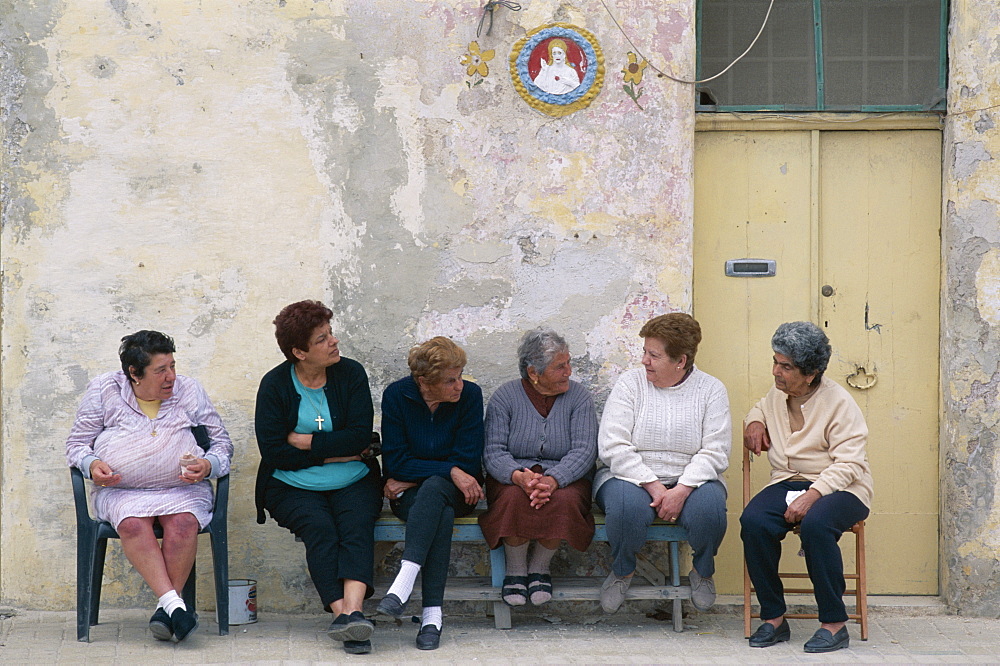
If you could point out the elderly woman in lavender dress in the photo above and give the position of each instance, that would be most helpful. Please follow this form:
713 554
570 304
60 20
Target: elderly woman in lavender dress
541 443
130 434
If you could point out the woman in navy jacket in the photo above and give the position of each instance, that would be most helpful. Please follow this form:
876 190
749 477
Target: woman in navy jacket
432 449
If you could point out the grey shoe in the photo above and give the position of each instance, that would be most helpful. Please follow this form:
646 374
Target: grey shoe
702 591
613 592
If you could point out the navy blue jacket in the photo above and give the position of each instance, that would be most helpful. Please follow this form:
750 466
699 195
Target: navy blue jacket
417 444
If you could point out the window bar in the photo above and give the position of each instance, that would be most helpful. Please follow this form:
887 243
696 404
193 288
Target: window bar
818 39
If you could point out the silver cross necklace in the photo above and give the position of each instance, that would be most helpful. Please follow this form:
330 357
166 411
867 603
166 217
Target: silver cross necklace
319 416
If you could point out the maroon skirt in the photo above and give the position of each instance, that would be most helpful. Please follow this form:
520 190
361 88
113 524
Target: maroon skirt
566 515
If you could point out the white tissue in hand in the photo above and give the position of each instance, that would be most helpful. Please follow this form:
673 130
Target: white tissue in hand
793 495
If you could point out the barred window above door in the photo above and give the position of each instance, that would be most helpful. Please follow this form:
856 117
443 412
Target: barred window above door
823 55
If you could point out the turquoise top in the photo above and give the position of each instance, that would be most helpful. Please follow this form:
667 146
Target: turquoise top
314 416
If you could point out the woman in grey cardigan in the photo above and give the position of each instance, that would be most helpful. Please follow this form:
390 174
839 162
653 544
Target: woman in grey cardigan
541 444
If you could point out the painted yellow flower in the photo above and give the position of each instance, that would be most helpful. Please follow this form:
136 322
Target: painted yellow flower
476 60
633 70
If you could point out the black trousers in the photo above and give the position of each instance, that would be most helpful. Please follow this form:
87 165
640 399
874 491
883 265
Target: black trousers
429 511
763 528
337 528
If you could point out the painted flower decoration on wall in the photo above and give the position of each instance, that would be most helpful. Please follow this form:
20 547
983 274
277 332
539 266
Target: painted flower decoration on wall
476 63
633 77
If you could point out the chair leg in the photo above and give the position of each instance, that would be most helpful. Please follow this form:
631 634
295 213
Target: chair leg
85 555
188 594
862 589
220 560
746 601
97 580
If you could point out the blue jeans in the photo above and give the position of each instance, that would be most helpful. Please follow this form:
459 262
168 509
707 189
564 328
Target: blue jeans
764 527
628 514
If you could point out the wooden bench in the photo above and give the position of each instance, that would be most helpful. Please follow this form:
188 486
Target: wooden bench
389 530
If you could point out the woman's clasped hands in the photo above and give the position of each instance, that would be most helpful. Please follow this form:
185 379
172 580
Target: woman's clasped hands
536 486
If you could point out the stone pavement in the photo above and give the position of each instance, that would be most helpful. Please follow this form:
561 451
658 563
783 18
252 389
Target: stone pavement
901 633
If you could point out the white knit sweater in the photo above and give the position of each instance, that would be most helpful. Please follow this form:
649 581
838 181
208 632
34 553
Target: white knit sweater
679 434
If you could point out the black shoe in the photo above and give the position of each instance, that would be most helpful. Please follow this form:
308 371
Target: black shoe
824 641
767 635
353 627
357 647
160 625
391 606
429 637
184 623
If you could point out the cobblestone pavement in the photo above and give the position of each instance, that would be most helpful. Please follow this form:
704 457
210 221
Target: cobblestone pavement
900 635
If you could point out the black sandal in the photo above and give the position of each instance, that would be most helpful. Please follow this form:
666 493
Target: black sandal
515 590
539 583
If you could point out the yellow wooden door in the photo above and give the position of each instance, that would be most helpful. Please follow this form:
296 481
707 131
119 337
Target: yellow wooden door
852 220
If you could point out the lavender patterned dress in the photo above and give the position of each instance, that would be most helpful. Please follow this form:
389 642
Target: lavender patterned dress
110 426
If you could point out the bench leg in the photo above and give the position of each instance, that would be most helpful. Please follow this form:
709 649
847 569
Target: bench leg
678 616
501 615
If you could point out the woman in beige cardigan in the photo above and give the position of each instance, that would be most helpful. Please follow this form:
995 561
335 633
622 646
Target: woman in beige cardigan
815 437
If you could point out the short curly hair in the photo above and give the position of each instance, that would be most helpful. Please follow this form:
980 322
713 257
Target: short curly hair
137 351
805 344
538 348
295 324
430 359
680 334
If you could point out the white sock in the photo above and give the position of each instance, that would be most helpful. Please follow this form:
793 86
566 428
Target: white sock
431 615
170 602
403 585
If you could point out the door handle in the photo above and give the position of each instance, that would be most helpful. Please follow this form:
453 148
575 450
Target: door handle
862 378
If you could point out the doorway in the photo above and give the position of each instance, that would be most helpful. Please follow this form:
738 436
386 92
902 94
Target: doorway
852 222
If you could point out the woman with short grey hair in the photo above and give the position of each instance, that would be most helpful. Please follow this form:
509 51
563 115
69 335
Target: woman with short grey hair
815 437
541 443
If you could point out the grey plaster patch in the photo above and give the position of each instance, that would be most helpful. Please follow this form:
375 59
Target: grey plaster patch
29 126
78 376
483 252
464 292
122 9
102 67
985 123
968 156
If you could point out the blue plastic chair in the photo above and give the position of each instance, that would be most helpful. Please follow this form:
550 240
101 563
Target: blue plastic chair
92 545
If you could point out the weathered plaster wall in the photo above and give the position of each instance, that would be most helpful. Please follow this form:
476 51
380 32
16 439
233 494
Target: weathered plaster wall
970 438
192 166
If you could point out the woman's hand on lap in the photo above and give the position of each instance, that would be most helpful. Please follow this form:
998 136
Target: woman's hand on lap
102 475
196 471
468 485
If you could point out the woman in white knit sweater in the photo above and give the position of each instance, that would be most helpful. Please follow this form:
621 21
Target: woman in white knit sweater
663 444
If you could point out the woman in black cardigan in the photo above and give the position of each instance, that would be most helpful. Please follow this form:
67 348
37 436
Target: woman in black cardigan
313 423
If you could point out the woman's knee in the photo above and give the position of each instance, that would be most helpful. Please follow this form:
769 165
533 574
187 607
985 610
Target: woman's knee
435 487
182 525
134 528
815 528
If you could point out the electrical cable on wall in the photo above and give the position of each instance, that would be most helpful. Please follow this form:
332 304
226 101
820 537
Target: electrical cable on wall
674 78
489 8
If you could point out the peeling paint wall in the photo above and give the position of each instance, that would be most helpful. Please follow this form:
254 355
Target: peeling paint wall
970 346
193 166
